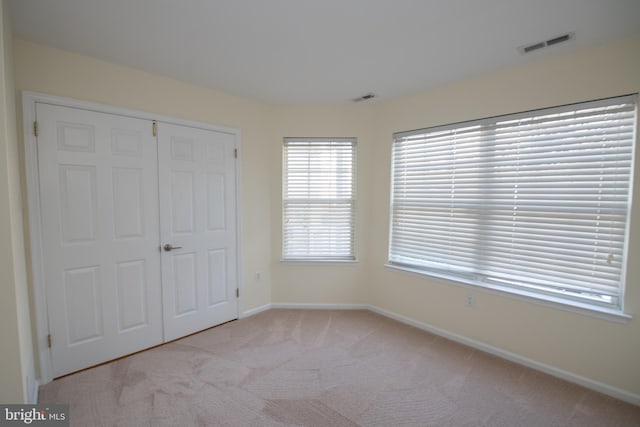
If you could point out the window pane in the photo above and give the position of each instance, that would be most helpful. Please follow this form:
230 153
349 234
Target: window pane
318 199
536 201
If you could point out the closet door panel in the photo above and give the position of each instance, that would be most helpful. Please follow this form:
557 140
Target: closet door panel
99 214
198 222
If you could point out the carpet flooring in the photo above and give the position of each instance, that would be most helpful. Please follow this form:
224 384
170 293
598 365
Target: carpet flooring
325 368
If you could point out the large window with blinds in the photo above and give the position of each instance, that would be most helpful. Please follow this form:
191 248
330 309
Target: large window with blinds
534 203
318 199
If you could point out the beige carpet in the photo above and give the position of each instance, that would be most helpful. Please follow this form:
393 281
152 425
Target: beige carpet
325 368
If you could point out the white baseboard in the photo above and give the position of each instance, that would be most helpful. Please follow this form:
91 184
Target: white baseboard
496 351
321 306
255 310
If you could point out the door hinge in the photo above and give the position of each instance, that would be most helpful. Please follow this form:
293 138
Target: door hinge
154 128
35 129
235 153
49 340
237 292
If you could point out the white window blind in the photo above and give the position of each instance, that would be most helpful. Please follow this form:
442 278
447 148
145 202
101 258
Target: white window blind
318 199
535 202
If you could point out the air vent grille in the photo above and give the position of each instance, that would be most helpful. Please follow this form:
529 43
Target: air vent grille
364 97
540 45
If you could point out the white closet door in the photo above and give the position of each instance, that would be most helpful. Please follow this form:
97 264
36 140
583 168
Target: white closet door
99 210
197 219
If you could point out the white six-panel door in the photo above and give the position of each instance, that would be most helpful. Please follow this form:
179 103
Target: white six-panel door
99 203
111 196
197 218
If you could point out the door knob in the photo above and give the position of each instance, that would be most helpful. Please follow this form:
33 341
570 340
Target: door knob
168 247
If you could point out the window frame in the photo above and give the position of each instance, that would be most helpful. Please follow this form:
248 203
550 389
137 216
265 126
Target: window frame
321 142
558 300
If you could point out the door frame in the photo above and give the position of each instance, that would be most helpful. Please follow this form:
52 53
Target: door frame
34 231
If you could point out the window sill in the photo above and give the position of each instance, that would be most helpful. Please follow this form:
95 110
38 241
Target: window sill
544 300
319 261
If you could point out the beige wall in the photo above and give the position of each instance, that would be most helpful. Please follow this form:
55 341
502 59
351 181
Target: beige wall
597 349
16 357
323 283
602 350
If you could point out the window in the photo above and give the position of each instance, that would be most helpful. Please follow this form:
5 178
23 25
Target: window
534 203
318 199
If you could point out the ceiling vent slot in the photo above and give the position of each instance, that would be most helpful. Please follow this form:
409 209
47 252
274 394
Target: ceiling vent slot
533 47
560 39
540 45
364 97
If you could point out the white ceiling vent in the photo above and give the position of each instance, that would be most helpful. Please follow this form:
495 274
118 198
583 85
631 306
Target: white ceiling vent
540 45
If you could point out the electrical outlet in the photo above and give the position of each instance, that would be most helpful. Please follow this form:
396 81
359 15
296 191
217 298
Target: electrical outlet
470 301
258 276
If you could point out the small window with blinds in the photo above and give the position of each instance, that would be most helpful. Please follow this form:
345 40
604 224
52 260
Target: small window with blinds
534 203
318 199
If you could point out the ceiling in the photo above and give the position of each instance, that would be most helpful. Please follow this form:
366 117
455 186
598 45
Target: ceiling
308 52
